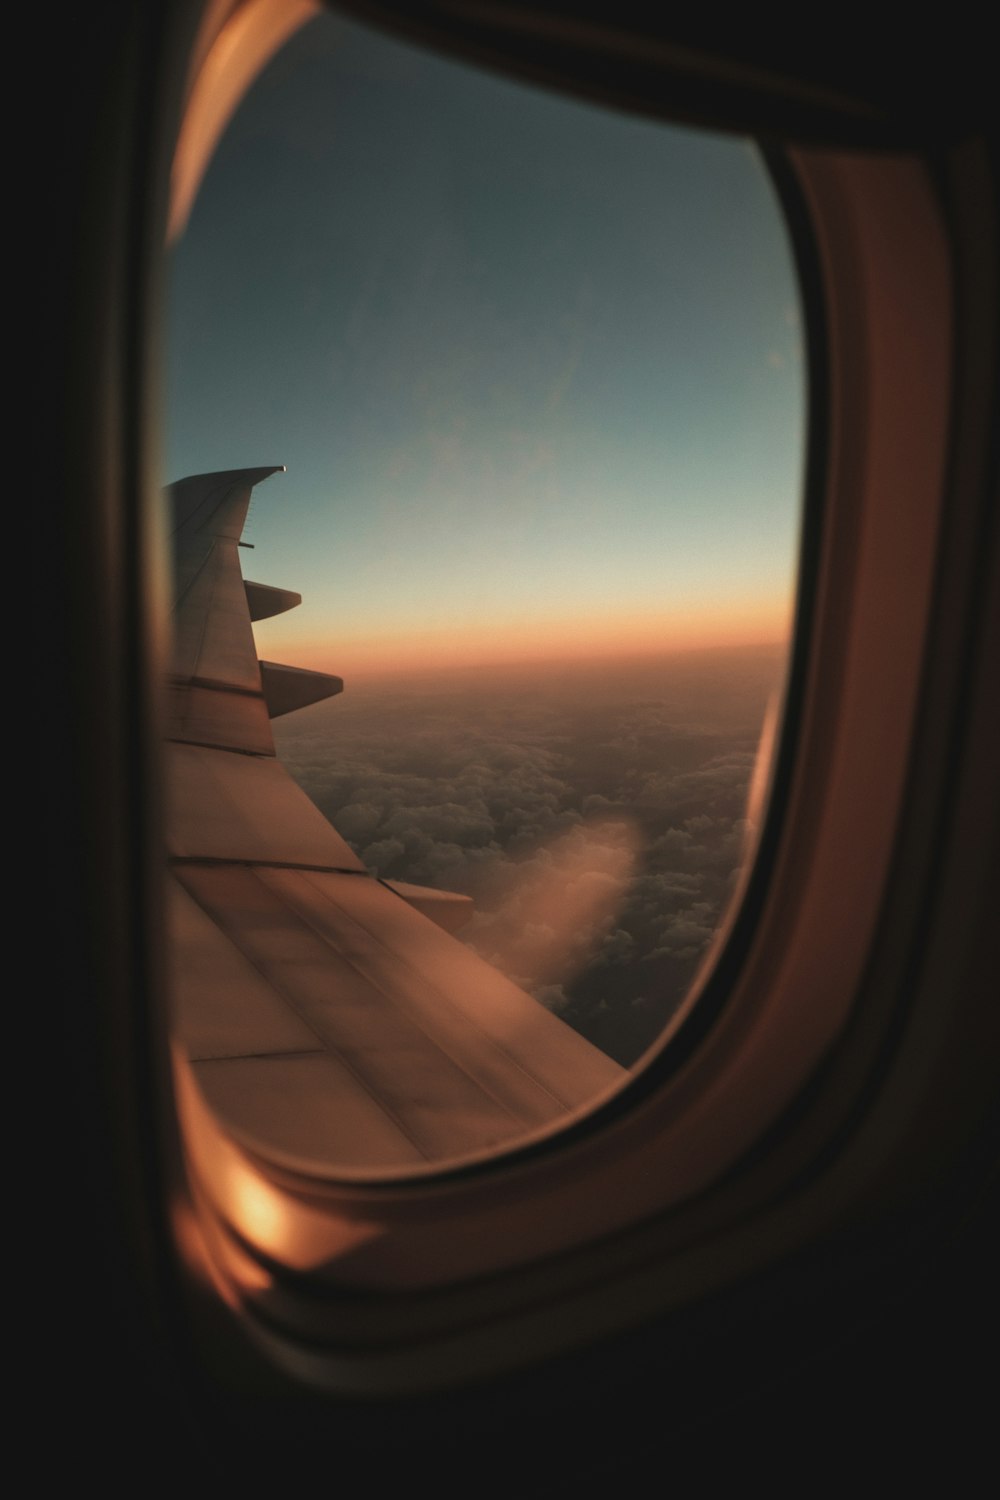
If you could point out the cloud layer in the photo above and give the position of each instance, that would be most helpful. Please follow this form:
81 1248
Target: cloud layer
597 819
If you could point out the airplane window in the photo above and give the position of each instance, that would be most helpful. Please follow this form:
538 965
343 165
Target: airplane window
535 372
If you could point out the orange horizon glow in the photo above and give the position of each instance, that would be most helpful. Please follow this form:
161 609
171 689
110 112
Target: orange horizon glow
527 641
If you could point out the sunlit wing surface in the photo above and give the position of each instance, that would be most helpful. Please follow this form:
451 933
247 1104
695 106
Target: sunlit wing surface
329 1017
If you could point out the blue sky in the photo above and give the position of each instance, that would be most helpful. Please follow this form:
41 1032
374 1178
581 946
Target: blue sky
535 368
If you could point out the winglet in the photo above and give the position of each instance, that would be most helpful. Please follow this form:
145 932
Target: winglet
208 505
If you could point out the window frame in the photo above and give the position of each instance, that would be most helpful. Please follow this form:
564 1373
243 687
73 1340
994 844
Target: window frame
428 1304
660 1150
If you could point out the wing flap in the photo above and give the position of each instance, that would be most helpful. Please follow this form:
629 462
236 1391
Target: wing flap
447 909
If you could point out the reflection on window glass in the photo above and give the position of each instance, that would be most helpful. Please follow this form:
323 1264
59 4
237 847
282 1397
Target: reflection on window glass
535 370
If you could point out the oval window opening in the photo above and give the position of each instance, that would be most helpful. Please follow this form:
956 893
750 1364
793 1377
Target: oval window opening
536 373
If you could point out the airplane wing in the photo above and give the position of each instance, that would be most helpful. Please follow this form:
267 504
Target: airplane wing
330 1018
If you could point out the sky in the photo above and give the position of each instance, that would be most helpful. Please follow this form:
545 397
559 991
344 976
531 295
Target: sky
535 367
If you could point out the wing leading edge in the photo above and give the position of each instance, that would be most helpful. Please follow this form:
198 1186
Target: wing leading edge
329 1017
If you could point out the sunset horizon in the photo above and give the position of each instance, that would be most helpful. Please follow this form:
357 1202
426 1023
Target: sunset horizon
527 644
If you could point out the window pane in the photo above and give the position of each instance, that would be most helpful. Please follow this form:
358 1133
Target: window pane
536 372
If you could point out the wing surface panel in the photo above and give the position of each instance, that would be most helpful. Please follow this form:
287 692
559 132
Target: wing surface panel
226 1008
238 807
513 1046
213 636
335 952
